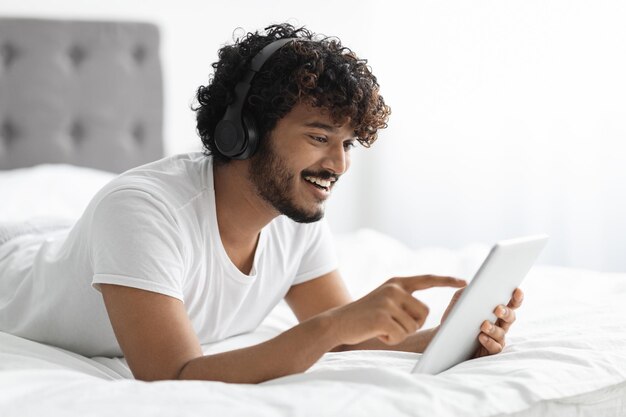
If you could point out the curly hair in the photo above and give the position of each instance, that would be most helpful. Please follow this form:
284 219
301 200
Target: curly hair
321 73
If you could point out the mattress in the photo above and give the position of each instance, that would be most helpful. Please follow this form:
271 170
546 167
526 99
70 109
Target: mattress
565 355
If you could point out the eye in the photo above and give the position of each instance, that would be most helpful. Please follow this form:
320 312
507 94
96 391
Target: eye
320 139
348 145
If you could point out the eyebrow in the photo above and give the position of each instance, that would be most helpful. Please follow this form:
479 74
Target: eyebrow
326 127
321 125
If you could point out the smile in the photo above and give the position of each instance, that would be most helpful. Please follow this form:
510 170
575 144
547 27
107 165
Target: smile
319 183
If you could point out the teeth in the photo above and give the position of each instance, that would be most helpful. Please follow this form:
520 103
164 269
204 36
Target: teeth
318 181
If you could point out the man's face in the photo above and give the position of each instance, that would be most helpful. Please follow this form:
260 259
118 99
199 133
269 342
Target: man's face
296 169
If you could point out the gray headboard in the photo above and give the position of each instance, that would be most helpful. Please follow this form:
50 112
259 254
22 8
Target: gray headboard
79 92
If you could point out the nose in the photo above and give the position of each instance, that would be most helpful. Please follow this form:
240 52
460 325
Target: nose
337 160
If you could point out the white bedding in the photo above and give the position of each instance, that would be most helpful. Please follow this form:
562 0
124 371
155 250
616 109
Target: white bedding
566 355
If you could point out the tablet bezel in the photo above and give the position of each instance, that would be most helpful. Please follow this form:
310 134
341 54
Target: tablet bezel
456 339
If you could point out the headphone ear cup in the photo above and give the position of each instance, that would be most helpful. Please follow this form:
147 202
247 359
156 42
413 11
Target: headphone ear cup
252 137
229 138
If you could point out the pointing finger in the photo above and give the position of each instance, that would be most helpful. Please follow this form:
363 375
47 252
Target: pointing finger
423 282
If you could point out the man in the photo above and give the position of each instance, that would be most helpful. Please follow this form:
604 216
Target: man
195 248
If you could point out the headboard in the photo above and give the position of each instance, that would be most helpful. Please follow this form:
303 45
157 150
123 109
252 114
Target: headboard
85 93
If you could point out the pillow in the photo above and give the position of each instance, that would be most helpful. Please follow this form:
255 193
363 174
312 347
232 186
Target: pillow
48 191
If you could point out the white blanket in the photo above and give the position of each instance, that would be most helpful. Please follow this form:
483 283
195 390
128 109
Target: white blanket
567 349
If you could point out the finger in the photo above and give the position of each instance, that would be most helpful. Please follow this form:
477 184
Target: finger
457 294
393 333
506 317
421 282
416 309
406 320
497 333
491 345
516 299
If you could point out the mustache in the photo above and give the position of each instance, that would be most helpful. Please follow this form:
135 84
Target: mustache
325 175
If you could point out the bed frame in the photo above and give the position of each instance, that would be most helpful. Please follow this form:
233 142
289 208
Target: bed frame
85 93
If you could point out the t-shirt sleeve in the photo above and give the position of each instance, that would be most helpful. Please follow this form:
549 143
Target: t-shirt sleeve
135 242
320 256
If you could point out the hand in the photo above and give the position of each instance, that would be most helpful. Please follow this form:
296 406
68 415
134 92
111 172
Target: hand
492 335
389 313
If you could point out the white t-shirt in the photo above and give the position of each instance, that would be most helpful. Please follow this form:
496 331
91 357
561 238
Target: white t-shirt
154 228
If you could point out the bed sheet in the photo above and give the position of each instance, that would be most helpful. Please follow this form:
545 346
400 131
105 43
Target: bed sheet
566 355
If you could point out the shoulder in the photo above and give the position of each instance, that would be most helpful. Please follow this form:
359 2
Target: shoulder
171 182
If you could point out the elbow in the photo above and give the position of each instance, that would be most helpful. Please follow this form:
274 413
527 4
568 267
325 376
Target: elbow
154 375
183 371
339 348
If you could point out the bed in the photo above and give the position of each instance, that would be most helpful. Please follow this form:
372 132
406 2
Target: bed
565 356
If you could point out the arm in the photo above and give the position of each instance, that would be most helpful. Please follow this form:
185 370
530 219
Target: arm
158 340
328 292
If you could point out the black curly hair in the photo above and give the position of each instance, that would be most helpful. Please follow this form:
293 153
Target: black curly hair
322 73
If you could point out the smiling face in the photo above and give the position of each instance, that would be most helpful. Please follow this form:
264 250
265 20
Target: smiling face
296 169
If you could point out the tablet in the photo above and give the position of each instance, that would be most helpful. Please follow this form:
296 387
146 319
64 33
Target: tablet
502 271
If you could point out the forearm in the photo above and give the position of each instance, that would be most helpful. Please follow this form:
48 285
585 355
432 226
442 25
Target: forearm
414 343
291 352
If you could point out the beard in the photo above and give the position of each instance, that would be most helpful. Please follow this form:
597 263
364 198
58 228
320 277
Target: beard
274 183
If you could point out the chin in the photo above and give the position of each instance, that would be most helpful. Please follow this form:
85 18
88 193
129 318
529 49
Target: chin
300 216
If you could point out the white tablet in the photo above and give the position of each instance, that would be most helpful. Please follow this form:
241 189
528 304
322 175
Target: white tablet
502 271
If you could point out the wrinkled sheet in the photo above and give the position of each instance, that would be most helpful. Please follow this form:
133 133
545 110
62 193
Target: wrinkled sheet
568 345
569 340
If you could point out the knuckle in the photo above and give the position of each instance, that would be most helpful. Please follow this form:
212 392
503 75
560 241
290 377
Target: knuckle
393 280
421 309
388 303
391 289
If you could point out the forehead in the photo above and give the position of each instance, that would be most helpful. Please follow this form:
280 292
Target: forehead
303 114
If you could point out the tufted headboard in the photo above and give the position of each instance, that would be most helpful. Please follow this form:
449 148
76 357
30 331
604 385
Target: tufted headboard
79 92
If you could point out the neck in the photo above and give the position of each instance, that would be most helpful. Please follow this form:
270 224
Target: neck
241 213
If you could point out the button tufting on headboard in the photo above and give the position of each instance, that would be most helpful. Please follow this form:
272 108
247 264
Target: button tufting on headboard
76 55
138 133
139 54
8 133
102 114
8 53
77 133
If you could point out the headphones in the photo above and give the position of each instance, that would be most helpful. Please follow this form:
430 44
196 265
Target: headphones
236 135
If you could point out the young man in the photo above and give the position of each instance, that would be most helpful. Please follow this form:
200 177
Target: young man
195 248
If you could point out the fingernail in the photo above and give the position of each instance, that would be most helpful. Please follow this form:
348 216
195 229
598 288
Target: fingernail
502 310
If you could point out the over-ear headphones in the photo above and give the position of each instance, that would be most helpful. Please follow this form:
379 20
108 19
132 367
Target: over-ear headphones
236 135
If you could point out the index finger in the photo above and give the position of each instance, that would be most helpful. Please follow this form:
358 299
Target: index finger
421 282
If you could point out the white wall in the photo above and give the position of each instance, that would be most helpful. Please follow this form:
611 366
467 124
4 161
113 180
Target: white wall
508 117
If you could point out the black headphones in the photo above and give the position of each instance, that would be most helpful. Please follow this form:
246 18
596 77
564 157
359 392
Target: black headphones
236 135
